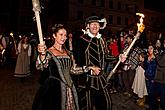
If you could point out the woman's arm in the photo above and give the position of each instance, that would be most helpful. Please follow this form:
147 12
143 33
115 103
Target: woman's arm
42 60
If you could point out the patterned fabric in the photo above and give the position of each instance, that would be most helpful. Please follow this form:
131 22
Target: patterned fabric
70 102
57 91
95 53
65 64
95 57
133 57
92 88
40 65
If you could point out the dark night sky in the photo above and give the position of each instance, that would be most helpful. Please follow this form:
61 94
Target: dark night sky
11 7
150 4
157 5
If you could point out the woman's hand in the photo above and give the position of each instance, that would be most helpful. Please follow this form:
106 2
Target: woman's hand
95 70
42 51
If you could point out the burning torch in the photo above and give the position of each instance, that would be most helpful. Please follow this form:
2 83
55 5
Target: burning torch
140 30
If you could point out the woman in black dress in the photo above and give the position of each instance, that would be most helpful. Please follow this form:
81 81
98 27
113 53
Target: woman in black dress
57 91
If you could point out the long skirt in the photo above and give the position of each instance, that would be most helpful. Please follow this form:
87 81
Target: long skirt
22 68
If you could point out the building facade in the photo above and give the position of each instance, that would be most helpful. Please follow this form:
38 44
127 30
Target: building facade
119 14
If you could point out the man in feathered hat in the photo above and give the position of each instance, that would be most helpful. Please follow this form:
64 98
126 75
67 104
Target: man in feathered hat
91 51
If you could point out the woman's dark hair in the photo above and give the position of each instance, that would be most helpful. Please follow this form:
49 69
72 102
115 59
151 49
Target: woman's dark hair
151 44
57 27
154 48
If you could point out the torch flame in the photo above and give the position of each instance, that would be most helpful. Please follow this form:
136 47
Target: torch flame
141 17
140 14
141 20
140 25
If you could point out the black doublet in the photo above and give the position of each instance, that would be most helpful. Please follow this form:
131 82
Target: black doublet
91 52
95 53
95 57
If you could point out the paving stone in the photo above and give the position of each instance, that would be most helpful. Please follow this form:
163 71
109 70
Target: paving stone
17 95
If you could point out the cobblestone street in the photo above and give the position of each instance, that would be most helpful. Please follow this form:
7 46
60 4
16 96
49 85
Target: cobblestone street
14 94
17 95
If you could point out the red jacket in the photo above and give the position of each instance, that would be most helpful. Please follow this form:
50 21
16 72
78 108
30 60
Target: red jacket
114 48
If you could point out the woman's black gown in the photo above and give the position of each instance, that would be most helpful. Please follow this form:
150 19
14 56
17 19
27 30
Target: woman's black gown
57 91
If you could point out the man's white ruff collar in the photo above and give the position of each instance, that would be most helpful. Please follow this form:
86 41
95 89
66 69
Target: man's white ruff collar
98 36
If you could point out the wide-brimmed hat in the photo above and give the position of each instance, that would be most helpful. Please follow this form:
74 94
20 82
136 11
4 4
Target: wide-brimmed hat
96 19
92 19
